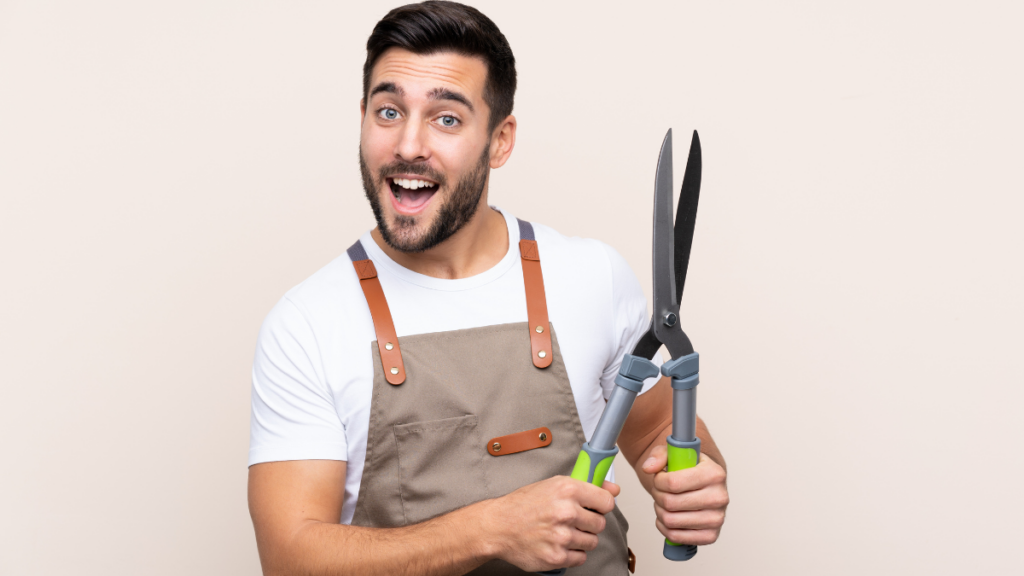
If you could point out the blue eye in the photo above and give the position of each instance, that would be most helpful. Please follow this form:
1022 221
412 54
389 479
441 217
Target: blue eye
388 113
448 121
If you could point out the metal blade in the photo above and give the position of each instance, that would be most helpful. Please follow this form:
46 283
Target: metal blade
686 215
664 263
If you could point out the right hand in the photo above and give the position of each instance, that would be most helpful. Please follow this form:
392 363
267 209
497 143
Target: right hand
552 523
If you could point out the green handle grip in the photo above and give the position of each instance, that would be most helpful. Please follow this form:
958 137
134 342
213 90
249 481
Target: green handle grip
592 464
681 455
682 458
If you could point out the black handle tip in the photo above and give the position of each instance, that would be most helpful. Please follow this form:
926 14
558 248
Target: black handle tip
680 553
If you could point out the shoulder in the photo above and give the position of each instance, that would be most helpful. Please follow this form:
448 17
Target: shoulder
324 303
329 289
584 266
594 259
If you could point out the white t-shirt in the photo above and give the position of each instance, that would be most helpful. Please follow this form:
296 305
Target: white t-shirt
313 373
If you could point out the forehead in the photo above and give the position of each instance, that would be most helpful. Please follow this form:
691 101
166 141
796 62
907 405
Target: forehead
420 73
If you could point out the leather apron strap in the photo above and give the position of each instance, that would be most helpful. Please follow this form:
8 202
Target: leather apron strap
536 303
384 326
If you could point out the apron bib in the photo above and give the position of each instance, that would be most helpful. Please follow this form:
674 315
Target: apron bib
462 416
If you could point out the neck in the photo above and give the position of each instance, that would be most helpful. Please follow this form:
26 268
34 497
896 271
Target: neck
474 249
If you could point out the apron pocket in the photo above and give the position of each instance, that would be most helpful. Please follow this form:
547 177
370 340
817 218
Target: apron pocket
440 464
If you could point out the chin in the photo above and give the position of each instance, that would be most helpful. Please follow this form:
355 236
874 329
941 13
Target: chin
405 233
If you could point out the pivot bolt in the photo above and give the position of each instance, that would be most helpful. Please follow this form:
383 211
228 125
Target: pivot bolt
669 319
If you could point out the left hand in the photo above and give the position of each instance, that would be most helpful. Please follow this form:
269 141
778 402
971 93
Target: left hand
689 504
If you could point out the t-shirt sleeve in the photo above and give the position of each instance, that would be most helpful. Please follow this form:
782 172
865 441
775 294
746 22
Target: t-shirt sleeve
293 413
630 320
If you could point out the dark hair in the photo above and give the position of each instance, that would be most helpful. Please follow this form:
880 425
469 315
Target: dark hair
440 26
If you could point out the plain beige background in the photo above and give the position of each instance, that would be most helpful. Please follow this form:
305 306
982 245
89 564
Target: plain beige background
169 170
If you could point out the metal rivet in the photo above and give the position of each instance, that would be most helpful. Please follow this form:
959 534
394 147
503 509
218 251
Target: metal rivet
389 346
542 353
669 319
394 370
543 436
540 329
496 447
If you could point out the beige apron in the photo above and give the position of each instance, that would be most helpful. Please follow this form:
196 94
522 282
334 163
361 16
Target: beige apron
462 416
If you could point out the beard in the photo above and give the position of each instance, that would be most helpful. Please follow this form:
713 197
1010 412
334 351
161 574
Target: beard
456 209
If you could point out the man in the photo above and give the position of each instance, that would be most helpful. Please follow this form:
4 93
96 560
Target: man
418 402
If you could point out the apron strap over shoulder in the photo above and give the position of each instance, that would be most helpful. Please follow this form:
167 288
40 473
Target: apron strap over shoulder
536 302
387 338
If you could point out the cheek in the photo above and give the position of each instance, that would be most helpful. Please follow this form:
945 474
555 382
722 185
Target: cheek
457 157
375 145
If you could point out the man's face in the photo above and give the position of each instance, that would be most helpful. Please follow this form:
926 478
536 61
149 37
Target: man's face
424 147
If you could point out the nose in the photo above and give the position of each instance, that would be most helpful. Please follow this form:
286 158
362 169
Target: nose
412 145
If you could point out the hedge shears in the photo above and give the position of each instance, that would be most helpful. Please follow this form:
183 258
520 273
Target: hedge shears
672 245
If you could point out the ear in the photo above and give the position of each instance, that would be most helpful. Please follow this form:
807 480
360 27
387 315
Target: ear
362 109
503 140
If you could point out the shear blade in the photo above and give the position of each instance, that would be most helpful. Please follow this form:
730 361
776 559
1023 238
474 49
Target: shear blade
665 300
686 215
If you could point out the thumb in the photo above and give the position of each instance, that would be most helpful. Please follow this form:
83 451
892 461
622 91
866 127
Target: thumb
657 461
612 487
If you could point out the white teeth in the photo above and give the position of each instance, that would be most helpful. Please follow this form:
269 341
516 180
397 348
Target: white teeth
412 184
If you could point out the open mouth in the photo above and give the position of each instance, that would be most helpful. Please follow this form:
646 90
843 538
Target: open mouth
410 195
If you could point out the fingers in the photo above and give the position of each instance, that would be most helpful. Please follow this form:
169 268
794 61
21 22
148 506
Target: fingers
564 554
573 558
576 538
709 498
589 521
657 460
697 537
704 474
583 541
594 498
691 520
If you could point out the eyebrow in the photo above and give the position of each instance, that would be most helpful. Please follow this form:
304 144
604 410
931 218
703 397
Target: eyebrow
446 94
389 87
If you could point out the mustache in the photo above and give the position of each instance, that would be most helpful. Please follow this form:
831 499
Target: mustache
400 167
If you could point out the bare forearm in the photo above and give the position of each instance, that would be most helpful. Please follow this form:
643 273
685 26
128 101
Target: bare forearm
295 505
707 447
448 545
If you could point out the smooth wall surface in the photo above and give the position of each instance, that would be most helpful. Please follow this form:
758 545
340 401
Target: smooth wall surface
169 170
